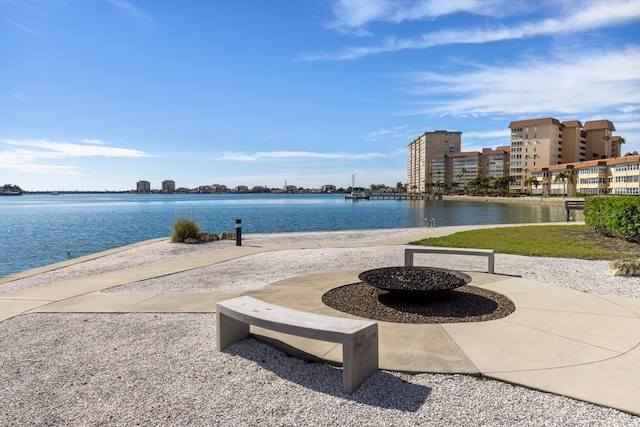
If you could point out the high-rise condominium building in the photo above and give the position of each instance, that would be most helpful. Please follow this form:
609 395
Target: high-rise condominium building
421 153
547 141
143 187
168 186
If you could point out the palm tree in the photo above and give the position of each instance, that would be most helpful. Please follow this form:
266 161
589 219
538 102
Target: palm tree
564 176
621 141
533 181
607 146
473 185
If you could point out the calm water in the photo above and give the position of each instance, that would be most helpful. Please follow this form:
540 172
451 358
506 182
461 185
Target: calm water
37 230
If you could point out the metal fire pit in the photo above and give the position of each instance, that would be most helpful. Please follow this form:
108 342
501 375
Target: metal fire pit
414 280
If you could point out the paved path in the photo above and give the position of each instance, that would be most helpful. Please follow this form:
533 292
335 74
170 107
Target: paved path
558 340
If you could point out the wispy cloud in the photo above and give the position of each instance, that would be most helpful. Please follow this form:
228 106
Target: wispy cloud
47 157
27 30
350 14
93 141
247 157
488 134
131 10
275 135
395 132
582 83
19 96
594 15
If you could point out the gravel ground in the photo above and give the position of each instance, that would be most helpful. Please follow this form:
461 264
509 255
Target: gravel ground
163 369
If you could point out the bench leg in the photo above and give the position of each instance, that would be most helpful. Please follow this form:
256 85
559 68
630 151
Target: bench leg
359 358
229 330
408 258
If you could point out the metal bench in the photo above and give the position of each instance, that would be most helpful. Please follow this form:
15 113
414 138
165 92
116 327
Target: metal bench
359 338
410 252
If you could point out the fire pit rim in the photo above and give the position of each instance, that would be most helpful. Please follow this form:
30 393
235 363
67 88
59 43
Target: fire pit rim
466 279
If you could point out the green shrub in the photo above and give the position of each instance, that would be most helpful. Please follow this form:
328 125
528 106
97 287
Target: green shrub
614 216
185 227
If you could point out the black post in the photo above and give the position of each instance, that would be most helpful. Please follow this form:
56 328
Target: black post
238 232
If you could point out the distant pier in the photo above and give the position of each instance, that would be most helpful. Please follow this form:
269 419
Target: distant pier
395 196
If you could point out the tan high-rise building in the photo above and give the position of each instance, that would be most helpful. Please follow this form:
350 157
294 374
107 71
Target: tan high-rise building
535 142
421 152
547 142
599 140
573 142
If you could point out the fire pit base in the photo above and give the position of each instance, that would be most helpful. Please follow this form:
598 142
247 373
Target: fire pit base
464 304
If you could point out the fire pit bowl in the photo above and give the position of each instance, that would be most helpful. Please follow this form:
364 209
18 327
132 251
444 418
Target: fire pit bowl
414 281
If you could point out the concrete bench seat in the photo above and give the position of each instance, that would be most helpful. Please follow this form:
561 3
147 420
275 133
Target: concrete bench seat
410 252
359 338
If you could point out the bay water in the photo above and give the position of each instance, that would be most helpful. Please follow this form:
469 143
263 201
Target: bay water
41 229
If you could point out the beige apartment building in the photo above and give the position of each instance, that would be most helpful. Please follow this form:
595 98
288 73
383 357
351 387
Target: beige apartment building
421 153
547 141
456 170
496 163
619 175
465 167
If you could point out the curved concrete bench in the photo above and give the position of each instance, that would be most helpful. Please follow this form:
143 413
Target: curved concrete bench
410 252
359 338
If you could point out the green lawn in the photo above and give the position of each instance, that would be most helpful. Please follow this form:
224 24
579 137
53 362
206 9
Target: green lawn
558 241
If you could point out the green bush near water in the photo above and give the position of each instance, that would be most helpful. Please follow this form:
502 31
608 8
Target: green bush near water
185 227
614 216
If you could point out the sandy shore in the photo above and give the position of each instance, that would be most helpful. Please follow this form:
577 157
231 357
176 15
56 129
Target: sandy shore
163 369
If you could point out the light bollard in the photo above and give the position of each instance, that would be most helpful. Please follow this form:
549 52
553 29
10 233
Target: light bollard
238 232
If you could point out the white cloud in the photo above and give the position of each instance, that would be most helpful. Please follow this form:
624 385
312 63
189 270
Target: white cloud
581 17
133 11
584 83
245 157
18 95
27 30
488 134
357 13
275 135
38 156
93 141
395 132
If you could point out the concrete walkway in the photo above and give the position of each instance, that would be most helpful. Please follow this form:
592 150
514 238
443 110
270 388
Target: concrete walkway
558 340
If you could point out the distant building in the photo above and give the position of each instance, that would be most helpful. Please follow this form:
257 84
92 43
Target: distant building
168 186
242 189
465 166
495 163
328 188
421 152
290 189
219 188
143 187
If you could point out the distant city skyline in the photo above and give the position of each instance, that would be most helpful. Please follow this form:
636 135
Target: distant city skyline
98 95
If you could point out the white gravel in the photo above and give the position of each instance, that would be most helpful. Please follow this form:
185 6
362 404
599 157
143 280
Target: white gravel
163 369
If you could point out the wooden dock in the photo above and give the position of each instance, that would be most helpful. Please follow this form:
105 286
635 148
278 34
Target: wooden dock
573 205
404 196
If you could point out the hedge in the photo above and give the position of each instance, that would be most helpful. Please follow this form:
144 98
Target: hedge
614 216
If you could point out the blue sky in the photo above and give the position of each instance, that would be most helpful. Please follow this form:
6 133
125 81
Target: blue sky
99 94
